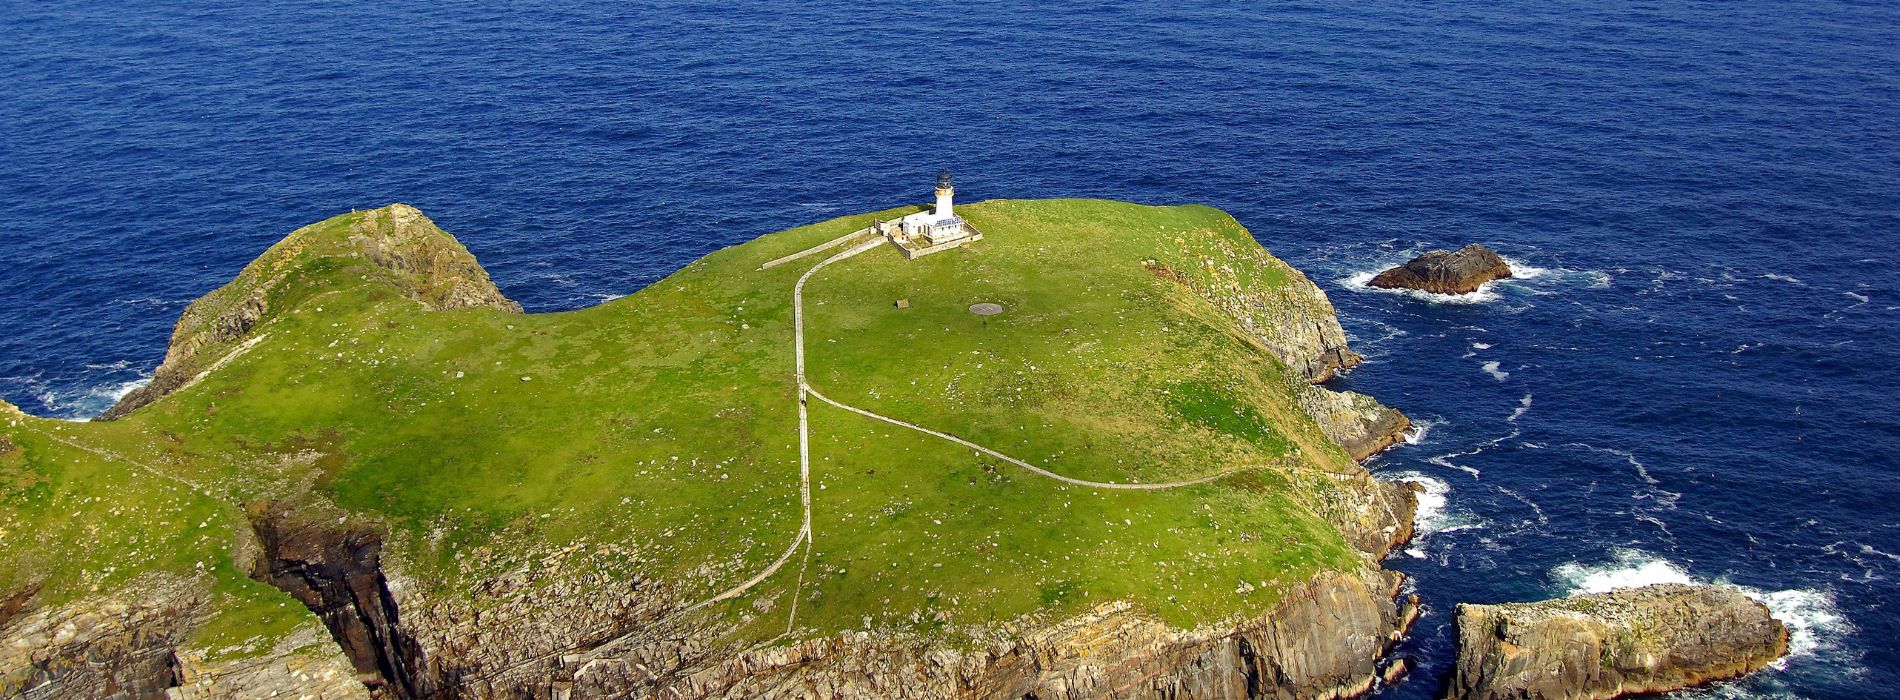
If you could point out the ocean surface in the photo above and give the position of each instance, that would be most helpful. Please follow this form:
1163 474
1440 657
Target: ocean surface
1692 379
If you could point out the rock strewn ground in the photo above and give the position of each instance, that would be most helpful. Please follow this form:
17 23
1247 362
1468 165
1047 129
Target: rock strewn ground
1605 645
1446 272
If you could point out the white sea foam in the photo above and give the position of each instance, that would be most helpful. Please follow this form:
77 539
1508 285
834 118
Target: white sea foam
1481 346
1815 625
1421 428
1492 368
1486 293
1523 270
1629 569
93 402
1642 470
1523 406
1434 514
1790 279
1862 298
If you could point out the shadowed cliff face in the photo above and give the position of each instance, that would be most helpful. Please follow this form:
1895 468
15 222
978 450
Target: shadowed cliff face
335 569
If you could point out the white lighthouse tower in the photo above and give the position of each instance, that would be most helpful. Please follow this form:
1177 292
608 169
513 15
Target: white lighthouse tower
944 193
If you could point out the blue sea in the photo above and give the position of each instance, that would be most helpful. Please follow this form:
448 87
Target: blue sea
1693 377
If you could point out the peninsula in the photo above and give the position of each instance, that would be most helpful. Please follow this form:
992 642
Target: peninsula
1079 450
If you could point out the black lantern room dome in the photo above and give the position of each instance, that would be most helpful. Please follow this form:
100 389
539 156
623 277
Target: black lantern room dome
943 179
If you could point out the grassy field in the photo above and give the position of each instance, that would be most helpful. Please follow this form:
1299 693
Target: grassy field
665 424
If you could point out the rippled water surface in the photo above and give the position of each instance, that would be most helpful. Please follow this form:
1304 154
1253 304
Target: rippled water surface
1692 381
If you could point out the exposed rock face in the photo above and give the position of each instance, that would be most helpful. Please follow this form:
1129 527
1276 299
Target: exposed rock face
1293 321
1445 272
1296 323
1644 640
1323 641
116 646
420 260
132 644
305 665
1359 423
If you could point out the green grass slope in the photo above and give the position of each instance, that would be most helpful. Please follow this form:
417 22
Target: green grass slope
659 433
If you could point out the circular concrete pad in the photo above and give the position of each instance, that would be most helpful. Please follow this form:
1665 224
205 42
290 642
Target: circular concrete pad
986 309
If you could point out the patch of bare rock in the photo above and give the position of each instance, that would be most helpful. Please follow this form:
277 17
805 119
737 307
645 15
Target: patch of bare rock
1653 639
1446 272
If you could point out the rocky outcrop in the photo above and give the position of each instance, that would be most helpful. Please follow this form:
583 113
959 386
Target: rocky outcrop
541 632
1357 422
133 644
1605 645
333 565
304 664
1293 320
113 647
405 247
1446 272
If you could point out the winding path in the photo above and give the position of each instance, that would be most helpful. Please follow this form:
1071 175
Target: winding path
806 392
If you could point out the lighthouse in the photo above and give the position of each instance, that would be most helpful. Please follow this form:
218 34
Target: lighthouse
944 192
930 231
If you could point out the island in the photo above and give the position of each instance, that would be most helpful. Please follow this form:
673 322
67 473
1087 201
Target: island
1595 646
1463 271
801 466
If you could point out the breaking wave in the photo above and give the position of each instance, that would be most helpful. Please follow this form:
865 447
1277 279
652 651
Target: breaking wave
1435 514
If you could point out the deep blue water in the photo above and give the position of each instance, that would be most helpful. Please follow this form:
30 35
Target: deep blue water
1696 382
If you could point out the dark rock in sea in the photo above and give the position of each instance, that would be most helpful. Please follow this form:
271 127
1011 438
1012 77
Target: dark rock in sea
1653 639
1446 272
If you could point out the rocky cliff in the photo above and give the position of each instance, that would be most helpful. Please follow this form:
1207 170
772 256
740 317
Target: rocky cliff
1296 323
1644 640
1325 639
1446 272
405 249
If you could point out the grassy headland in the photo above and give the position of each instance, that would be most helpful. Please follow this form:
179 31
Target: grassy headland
655 436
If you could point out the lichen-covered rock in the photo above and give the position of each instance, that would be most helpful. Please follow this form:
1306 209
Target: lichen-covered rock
1605 645
1446 272
405 247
